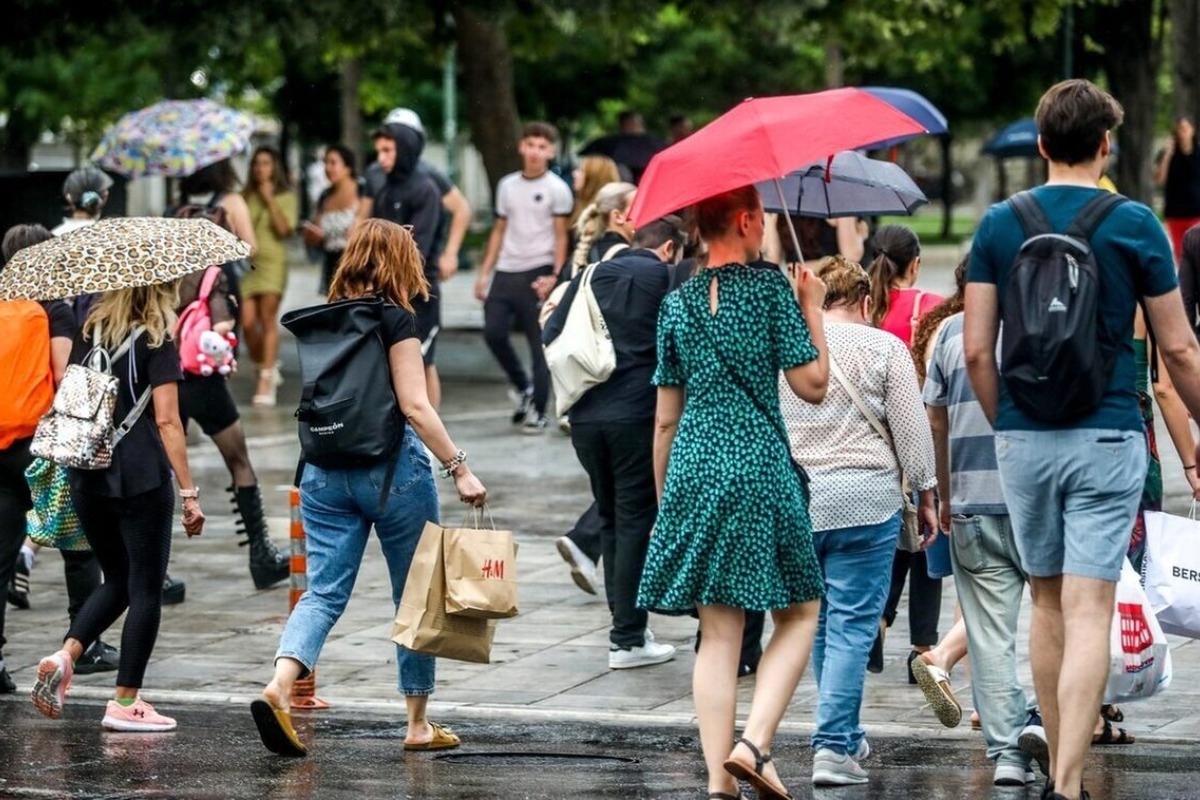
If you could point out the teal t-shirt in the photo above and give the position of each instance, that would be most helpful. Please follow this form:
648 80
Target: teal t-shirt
1135 261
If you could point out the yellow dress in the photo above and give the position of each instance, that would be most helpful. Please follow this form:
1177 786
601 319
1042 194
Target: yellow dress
269 264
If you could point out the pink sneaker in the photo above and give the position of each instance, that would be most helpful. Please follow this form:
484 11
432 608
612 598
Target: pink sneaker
137 718
53 679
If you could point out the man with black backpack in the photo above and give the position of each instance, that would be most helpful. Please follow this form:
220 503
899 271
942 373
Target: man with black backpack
1063 267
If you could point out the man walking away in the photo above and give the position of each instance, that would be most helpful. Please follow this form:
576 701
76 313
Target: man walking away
1071 473
612 427
527 248
988 576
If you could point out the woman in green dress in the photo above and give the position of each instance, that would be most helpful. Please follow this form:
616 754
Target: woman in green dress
733 532
273 213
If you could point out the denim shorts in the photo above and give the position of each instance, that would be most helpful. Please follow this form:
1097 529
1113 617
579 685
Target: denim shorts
1072 496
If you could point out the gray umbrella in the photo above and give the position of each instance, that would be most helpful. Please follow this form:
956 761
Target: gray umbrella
848 185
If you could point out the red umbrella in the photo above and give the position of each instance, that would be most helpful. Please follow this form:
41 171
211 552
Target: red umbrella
761 139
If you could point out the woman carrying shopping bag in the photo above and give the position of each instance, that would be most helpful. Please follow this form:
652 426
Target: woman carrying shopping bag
395 495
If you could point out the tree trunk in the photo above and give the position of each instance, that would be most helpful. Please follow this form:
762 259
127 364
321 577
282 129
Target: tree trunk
1185 37
352 121
835 64
1131 37
488 84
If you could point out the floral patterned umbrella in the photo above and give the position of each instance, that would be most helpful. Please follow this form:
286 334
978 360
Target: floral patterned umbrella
117 253
173 138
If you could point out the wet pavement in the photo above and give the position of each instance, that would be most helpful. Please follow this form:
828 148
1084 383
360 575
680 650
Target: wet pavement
216 754
547 690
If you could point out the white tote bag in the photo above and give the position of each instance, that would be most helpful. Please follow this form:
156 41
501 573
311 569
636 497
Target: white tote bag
582 356
1140 660
1172 571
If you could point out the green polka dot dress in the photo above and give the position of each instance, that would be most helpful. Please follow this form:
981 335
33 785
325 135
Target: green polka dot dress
732 528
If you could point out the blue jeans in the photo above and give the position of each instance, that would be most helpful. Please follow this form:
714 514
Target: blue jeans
339 506
1072 496
856 564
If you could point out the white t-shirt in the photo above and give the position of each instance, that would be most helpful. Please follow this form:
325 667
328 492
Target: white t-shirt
529 205
69 224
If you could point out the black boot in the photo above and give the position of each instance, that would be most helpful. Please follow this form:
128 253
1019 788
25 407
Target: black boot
268 566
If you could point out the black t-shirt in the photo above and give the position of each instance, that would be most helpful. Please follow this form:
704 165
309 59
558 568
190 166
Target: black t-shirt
398 324
1182 192
140 462
62 319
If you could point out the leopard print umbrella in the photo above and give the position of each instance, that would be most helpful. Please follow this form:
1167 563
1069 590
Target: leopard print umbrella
117 253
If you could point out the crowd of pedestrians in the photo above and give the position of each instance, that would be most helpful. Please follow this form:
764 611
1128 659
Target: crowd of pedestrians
803 441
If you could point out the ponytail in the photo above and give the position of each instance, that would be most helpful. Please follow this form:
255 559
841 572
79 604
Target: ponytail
594 219
895 248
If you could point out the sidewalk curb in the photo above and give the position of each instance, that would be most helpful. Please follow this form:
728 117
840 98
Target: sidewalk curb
474 712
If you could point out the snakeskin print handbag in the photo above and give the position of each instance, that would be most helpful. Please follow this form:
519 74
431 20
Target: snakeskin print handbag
78 429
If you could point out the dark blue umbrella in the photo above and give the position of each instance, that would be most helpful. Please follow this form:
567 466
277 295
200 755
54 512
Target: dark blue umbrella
849 185
1016 140
906 101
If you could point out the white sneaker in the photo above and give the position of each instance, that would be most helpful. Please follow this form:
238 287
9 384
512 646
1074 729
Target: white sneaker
648 654
1008 774
583 569
863 752
834 769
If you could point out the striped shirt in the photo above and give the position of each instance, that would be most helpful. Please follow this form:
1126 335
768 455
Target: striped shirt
974 476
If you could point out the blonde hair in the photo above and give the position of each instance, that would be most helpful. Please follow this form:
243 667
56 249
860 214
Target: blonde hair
116 313
380 258
846 282
594 219
597 171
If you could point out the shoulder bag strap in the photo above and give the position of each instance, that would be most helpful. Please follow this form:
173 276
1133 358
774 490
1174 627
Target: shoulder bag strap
612 251
836 370
740 382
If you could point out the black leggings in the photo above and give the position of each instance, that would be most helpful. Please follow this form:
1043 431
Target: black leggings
924 598
131 538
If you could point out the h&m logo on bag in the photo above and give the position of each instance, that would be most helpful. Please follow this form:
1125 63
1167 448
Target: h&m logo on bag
1136 638
493 568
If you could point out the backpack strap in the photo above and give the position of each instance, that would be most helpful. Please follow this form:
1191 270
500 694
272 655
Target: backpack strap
1029 214
1094 213
210 280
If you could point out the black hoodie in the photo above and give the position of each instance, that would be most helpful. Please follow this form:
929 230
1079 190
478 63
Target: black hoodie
410 197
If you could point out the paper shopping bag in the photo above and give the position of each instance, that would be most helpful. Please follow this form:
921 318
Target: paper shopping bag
422 624
481 573
1140 660
1172 571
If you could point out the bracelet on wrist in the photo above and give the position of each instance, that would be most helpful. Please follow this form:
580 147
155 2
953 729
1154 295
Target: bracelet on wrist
451 466
1187 467
190 494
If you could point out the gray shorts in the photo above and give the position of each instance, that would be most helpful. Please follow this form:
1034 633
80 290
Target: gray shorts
1072 496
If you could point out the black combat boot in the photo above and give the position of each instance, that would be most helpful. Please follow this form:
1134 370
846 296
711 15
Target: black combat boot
268 566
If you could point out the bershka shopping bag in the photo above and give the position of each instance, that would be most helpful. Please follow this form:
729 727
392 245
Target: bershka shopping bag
481 572
1140 661
422 624
1172 571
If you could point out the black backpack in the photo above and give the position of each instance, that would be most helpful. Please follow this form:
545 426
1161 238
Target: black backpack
348 414
1056 357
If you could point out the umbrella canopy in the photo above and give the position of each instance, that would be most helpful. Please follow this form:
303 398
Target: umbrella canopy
634 150
117 253
912 104
173 138
848 185
763 139
1016 140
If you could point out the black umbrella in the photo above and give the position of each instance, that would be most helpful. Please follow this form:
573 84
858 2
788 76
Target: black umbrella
634 150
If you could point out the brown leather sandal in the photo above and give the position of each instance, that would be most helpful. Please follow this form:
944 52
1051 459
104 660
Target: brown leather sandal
765 788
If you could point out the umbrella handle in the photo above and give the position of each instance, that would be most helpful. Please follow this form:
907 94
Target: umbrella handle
791 227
